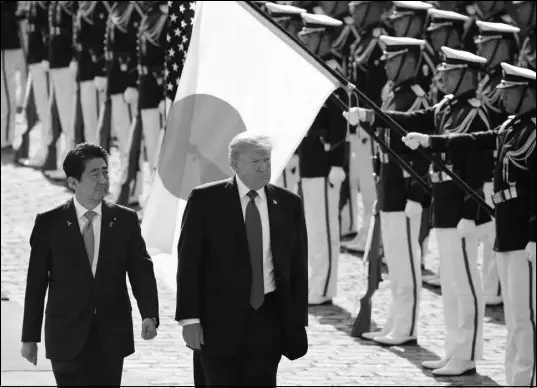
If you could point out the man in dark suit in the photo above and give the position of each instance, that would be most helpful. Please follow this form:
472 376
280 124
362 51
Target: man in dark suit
242 277
82 251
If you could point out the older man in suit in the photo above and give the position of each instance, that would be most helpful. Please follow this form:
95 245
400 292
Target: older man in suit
242 278
81 251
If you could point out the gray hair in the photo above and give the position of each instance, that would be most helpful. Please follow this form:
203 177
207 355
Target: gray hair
244 141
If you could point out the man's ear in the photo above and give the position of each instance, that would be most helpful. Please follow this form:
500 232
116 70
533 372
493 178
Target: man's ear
72 182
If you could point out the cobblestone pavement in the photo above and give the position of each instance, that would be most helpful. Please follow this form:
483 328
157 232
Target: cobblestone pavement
334 358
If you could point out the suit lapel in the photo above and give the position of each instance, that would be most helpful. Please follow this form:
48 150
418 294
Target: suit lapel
107 224
74 236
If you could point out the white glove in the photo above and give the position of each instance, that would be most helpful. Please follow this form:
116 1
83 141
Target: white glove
131 95
413 209
336 176
73 67
100 83
162 107
45 65
530 251
413 140
488 191
466 227
355 115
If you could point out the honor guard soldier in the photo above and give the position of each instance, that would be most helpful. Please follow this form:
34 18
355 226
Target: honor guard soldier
89 31
366 71
514 199
63 69
151 56
454 212
409 20
12 61
37 59
121 71
98 55
497 43
525 11
289 18
401 199
321 159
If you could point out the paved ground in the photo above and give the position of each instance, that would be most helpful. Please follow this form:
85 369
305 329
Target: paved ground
334 358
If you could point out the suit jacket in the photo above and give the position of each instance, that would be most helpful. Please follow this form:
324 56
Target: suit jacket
214 271
58 261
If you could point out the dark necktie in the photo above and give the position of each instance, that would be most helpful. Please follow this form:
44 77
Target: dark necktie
89 238
254 233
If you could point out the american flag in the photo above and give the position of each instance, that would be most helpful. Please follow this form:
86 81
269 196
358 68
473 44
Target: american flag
181 15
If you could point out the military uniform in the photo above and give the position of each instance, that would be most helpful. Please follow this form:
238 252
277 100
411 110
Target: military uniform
62 75
514 199
492 33
526 56
454 213
12 61
400 202
90 25
121 71
366 71
38 35
321 160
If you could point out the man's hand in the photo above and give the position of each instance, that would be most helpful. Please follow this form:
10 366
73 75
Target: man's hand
162 107
73 67
466 227
413 140
100 83
336 175
193 336
45 65
413 209
131 95
530 251
355 115
29 352
149 329
488 191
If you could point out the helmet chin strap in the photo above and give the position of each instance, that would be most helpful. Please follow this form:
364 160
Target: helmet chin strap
464 70
400 67
521 100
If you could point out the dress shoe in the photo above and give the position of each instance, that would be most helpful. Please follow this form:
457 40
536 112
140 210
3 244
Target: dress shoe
435 364
492 301
456 367
394 340
371 335
57 175
319 301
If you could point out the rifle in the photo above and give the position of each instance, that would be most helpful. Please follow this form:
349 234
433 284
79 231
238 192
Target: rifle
134 148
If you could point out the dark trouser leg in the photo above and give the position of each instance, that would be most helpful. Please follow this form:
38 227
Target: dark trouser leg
260 371
220 371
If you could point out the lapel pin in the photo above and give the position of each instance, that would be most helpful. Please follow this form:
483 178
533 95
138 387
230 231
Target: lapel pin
274 202
68 223
111 223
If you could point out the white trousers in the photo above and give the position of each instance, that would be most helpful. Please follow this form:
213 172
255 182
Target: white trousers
290 175
151 123
89 98
64 84
360 175
122 116
321 200
400 236
11 62
41 83
462 294
489 266
517 276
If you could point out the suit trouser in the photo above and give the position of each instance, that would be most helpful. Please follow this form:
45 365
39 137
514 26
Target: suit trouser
90 101
64 84
401 248
489 266
360 174
290 176
256 364
41 84
462 294
321 208
91 367
11 61
517 276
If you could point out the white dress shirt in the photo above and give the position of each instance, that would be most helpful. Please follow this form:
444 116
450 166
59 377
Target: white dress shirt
96 224
268 265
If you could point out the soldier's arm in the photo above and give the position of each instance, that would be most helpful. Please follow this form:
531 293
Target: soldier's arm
476 141
421 121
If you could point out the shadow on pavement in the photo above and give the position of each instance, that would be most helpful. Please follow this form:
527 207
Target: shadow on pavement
477 380
7 156
333 315
495 315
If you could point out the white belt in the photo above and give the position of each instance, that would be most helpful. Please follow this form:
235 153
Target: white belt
505 195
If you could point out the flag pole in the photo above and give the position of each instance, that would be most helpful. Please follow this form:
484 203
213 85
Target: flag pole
391 123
